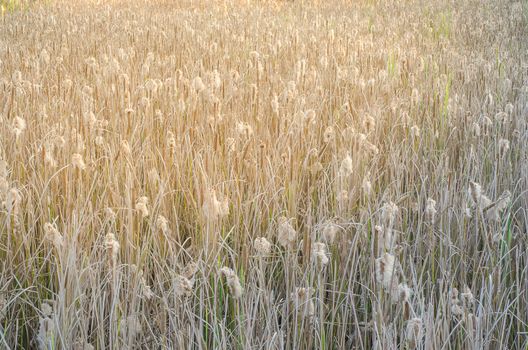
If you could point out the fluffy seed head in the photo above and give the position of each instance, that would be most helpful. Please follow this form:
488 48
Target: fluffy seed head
146 291
430 209
413 332
402 293
52 234
386 271
112 246
162 224
183 286
233 283
46 309
213 208
504 147
262 246
389 211
287 235
366 185
347 166
494 210
141 206
77 161
478 198
330 231
467 297
456 305
387 237
19 125
198 85
329 134
244 130
320 254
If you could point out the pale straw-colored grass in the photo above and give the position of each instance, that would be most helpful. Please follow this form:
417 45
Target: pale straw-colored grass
264 175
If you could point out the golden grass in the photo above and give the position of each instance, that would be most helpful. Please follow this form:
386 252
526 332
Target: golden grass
264 175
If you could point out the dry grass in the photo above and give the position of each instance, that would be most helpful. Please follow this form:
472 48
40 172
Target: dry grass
265 175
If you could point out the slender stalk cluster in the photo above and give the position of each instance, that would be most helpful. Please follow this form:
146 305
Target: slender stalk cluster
263 174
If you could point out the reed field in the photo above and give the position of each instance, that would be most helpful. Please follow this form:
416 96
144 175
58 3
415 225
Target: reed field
264 174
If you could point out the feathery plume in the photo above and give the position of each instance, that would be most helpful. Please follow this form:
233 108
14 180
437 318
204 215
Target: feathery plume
19 125
415 131
141 206
430 210
47 328
347 166
112 246
413 332
330 231
456 305
146 291
320 254
504 147
77 161
198 85
479 199
387 237
475 130
183 286
233 283
52 234
366 185
400 294
329 134
213 208
386 271
494 210
171 141
262 246
389 211
467 297
369 123
162 224
287 235
244 130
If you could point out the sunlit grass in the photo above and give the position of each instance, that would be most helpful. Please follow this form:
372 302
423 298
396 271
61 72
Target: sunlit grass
264 174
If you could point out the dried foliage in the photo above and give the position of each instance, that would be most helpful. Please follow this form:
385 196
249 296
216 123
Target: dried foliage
264 175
